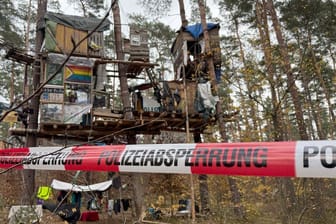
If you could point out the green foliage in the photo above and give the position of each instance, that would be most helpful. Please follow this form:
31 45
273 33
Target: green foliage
237 9
160 37
156 8
90 8
314 16
8 27
195 13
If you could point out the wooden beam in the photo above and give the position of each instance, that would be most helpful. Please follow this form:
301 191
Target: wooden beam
115 61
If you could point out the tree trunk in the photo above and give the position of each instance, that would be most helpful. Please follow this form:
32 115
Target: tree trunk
121 67
324 88
222 129
29 175
251 107
293 90
182 14
287 192
138 182
313 108
236 198
203 182
263 29
128 115
211 69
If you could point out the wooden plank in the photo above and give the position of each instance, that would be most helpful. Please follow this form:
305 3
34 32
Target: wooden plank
139 53
68 45
98 112
83 47
71 35
187 36
60 38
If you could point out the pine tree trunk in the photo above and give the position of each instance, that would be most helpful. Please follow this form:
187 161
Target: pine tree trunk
287 192
236 198
203 182
222 129
139 184
324 88
121 67
211 68
182 14
293 90
263 29
252 110
29 175
128 115
313 108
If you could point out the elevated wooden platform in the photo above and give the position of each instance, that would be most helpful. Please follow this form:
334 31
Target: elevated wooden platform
19 55
106 124
133 68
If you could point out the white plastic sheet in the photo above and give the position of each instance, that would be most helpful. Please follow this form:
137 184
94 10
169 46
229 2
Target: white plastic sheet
60 185
209 100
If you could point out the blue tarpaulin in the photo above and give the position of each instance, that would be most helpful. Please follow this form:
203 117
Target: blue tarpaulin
196 30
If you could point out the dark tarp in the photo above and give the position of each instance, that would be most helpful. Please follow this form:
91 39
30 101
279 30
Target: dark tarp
78 22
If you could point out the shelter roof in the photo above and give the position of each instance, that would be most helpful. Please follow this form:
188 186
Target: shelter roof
78 22
196 30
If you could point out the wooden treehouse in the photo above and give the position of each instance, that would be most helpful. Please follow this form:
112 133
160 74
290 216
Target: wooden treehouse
189 52
83 101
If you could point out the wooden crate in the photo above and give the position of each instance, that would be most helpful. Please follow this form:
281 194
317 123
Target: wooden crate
178 86
139 50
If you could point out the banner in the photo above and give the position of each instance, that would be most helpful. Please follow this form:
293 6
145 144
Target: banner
278 159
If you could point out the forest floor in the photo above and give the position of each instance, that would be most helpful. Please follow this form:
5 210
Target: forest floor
50 218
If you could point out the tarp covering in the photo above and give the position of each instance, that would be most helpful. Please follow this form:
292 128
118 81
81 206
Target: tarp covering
4 104
78 22
79 61
4 101
196 30
60 185
209 101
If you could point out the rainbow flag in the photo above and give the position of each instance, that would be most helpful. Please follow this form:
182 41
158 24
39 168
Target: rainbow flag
74 73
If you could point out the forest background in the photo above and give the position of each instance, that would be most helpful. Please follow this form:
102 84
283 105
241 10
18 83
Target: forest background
278 71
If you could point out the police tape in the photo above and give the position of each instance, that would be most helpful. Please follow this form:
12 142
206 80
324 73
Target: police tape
287 159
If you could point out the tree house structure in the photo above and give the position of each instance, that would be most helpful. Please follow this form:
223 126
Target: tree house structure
189 53
82 101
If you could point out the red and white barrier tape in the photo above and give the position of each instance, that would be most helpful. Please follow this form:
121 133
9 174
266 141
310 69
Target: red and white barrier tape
291 159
